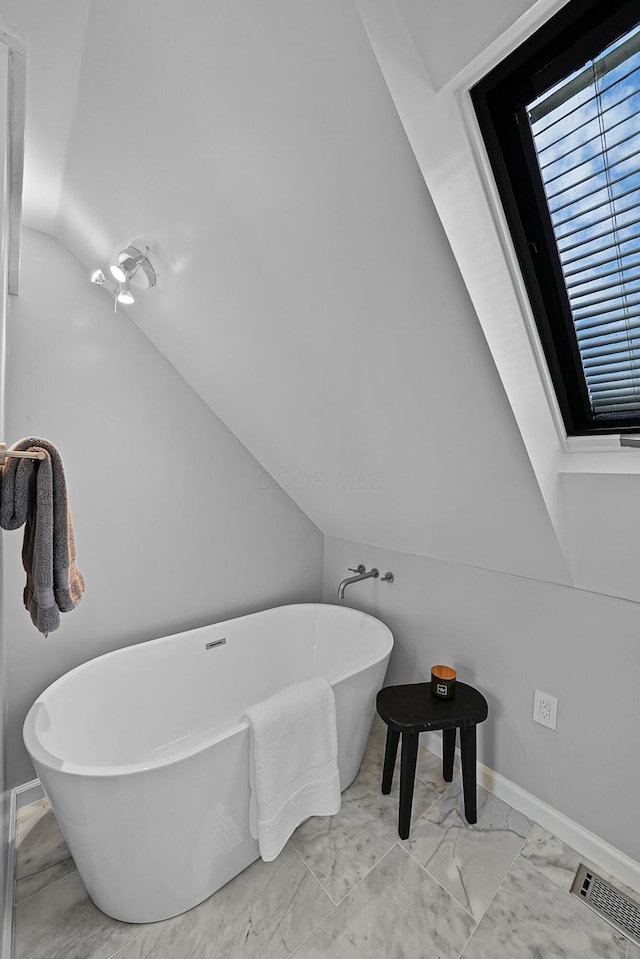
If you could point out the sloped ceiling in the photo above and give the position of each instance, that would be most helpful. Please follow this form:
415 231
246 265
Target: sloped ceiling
55 34
307 290
448 36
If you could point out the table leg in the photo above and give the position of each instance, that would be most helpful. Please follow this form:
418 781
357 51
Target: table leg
448 752
468 751
408 759
390 752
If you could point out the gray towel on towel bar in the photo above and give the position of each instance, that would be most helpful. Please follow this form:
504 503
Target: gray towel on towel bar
33 493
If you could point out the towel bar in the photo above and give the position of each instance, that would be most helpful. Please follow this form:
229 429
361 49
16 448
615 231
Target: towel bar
4 452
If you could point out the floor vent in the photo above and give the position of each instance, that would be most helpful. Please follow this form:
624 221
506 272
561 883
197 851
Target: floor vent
623 913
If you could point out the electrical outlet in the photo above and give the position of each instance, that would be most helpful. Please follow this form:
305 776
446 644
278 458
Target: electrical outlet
545 709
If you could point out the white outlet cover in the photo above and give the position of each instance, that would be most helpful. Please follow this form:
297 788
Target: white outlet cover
545 709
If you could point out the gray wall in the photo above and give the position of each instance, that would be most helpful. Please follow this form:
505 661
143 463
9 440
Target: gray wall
4 794
511 635
5 802
175 525
313 301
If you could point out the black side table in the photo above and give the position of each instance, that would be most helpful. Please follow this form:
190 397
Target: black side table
411 709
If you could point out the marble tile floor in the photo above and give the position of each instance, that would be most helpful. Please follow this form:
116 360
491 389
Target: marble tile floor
343 887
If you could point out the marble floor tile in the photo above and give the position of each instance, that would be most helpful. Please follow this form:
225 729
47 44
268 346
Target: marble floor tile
470 861
42 856
428 767
559 862
264 913
397 911
531 918
340 850
62 922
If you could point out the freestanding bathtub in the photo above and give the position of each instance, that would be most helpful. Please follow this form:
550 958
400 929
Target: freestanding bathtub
144 755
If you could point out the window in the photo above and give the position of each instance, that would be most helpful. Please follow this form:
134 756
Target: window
561 122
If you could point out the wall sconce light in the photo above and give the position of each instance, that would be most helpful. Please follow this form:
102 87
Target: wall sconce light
132 265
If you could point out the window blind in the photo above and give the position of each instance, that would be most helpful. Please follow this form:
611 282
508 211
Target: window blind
586 132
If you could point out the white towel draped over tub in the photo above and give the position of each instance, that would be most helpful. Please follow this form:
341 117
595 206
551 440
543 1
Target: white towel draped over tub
294 762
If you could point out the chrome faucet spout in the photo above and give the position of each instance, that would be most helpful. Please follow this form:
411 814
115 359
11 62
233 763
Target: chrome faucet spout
372 574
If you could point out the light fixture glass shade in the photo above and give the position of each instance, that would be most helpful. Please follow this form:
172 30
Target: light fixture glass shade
126 296
98 277
118 272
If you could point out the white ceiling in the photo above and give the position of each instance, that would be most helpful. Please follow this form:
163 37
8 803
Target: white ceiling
448 36
55 34
307 290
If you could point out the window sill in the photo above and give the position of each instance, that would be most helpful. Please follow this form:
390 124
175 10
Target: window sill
598 454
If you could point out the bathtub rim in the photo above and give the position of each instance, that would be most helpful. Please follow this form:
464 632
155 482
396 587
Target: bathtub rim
40 755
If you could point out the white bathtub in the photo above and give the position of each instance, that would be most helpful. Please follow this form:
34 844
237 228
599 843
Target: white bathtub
144 755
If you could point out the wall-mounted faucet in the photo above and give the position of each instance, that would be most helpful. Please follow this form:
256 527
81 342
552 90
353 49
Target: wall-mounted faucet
361 573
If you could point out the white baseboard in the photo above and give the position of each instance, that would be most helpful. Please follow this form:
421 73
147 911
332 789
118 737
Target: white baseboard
18 797
28 793
590 846
6 946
